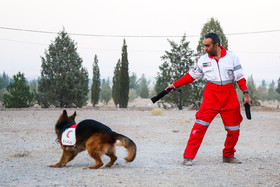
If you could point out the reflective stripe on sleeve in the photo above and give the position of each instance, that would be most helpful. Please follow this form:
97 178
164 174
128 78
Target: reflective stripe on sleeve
237 67
233 128
204 123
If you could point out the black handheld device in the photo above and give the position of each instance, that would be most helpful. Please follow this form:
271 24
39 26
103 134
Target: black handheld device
248 111
163 93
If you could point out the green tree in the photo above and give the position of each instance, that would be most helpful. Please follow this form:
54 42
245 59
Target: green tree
18 95
95 87
1 83
262 91
116 84
64 82
106 92
6 80
176 63
2 90
278 86
33 84
272 94
272 85
143 87
33 87
264 85
211 26
252 91
132 81
133 87
124 78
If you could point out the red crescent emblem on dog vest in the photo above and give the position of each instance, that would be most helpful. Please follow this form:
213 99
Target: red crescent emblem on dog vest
67 135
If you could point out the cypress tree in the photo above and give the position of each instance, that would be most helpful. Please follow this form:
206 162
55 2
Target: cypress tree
95 87
116 84
64 82
124 78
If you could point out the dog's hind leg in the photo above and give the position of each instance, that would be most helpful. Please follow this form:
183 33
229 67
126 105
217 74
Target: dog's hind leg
96 156
111 154
66 157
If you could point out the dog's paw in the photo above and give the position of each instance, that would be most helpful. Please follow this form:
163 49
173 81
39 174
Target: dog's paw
93 167
57 165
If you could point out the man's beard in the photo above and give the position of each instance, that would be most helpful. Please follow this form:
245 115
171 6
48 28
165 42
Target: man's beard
212 53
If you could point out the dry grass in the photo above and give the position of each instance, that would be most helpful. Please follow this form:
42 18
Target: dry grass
22 154
156 112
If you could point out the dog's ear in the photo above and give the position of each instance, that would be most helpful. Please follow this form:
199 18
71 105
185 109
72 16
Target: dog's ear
73 116
62 117
64 114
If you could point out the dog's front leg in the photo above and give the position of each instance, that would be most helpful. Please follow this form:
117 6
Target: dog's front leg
66 157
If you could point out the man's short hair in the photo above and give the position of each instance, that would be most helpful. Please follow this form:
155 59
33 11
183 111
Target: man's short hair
215 38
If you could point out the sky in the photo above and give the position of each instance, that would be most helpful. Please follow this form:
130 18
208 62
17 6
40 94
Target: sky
252 28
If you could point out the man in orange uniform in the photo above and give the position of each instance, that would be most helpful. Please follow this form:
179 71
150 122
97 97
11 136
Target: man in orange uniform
220 68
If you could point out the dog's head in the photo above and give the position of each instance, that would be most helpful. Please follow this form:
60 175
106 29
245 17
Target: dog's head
63 121
64 117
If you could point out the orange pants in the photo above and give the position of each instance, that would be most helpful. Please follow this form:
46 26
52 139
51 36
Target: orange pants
216 99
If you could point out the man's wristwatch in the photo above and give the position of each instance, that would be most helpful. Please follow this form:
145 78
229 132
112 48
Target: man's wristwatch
246 92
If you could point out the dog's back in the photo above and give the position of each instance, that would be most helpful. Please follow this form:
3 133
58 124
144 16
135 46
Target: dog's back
89 127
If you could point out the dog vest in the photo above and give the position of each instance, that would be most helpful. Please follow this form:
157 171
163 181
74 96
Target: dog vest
68 137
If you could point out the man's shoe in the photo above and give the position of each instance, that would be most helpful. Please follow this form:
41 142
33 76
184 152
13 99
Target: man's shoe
187 162
231 160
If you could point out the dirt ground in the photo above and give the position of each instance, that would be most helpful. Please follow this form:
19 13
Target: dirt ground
28 146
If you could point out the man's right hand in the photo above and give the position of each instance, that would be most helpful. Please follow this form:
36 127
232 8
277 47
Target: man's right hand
170 86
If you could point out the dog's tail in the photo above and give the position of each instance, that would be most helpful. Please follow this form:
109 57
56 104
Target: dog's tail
129 145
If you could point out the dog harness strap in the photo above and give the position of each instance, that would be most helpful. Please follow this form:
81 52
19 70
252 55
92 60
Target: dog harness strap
74 126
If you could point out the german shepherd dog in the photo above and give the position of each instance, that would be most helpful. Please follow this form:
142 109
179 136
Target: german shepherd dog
95 137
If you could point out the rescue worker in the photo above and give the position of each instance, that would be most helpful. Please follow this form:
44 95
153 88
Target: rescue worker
220 68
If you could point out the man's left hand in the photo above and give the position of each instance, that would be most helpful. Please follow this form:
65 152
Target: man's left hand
247 99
